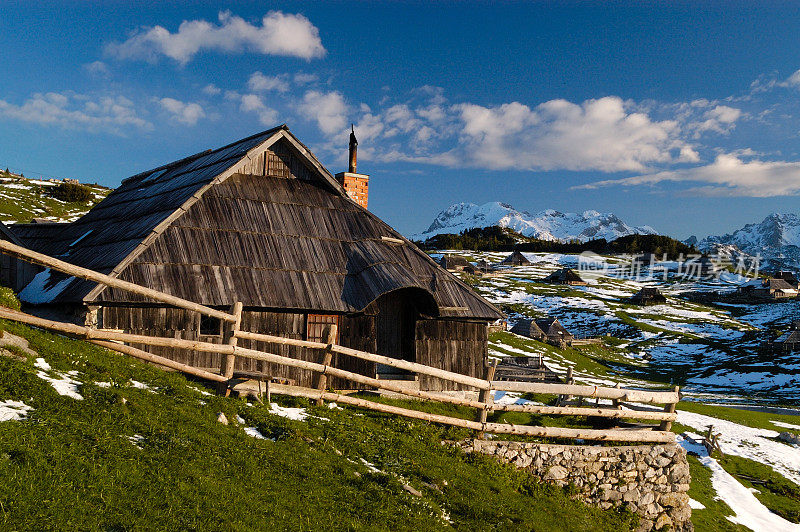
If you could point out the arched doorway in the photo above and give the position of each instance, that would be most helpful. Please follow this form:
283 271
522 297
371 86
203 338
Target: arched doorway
396 318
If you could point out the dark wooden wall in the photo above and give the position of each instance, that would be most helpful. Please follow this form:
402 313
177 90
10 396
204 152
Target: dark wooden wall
15 273
458 346
357 332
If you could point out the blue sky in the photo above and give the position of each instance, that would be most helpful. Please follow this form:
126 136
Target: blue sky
682 116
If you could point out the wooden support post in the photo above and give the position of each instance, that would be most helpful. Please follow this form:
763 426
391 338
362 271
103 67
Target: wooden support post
329 334
616 402
562 399
487 396
229 338
670 409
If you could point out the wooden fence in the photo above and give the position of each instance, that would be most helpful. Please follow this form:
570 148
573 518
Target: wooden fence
230 349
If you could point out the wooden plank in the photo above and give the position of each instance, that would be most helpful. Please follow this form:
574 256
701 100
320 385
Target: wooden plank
161 361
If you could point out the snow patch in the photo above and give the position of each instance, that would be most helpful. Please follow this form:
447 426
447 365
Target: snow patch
13 410
296 414
748 510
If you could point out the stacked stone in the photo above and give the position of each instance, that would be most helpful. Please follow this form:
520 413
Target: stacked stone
650 480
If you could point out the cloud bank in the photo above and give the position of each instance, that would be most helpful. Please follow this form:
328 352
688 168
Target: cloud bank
278 34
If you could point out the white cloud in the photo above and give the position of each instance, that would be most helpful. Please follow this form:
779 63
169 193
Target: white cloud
329 110
253 104
76 111
183 112
720 119
793 80
211 89
303 78
258 82
97 68
560 135
728 175
278 34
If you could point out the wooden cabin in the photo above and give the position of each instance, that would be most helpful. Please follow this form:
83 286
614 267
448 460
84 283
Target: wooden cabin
790 340
528 328
454 263
768 289
566 276
262 222
648 296
547 330
516 259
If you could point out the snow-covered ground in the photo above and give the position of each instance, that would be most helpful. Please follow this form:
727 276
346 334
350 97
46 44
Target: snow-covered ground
748 510
705 349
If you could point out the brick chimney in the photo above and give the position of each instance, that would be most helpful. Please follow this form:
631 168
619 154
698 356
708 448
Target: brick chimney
356 185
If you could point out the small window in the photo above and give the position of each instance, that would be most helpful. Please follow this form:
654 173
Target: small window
315 326
210 326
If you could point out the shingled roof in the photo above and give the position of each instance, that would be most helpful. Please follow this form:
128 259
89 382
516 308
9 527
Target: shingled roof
260 221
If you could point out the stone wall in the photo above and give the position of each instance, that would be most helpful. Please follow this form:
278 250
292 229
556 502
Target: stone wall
651 480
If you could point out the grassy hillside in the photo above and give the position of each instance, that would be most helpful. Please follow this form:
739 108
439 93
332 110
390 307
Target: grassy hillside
142 449
23 199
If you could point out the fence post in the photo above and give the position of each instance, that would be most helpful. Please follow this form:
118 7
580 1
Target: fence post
329 335
487 396
562 399
670 408
229 338
615 402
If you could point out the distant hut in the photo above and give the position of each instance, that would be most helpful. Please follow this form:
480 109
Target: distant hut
768 289
454 263
484 266
565 276
528 328
262 222
547 330
554 332
790 340
516 259
648 296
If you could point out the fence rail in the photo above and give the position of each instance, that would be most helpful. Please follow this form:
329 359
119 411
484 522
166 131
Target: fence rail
229 349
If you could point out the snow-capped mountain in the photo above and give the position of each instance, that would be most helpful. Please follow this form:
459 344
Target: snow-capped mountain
776 240
546 225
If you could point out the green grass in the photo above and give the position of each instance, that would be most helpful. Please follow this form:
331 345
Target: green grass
24 200
748 418
71 463
777 493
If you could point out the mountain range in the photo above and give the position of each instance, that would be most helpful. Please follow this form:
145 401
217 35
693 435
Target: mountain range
775 240
547 225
